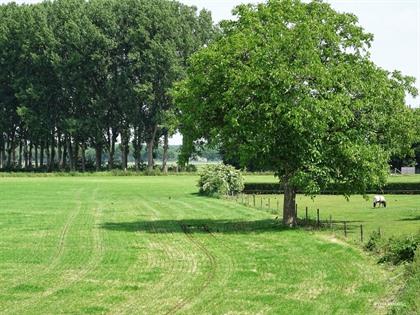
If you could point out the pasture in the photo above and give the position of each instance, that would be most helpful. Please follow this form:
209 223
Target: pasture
402 215
150 245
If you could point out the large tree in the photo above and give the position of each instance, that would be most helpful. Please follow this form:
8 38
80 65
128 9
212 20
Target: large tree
78 73
291 84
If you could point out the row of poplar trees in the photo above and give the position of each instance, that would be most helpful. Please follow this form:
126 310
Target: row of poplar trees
78 74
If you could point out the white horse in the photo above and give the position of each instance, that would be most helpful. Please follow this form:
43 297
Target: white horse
379 200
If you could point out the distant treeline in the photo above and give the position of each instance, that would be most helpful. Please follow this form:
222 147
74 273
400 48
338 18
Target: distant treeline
87 81
172 154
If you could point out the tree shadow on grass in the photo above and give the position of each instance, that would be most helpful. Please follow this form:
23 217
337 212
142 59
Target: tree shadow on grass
198 226
208 225
416 218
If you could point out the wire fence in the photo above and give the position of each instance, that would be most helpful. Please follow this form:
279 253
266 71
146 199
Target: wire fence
313 219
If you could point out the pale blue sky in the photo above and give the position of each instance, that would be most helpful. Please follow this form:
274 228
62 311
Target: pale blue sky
394 23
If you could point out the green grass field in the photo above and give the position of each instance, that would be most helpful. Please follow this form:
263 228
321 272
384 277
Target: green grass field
402 215
150 245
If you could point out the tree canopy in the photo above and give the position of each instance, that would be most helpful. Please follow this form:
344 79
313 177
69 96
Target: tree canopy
291 85
76 74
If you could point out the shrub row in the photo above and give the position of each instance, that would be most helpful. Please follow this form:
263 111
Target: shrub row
394 250
401 250
390 188
115 172
408 297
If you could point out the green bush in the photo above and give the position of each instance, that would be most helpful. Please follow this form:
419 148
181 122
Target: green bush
394 250
374 243
191 168
154 172
401 249
220 179
408 299
414 268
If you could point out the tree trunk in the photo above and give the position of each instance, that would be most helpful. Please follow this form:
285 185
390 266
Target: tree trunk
165 153
30 155
41 155
83 152
112 135
9 153
36 155
76 155
47 155
20 154
13 153
59 151
137 145
2 152
111 154
52 153
71 154
150 146
124 157
98 157
138 157
150 156
289 205
125 149
25 153
63 162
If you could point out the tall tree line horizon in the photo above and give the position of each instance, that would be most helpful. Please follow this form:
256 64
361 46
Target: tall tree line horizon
80 75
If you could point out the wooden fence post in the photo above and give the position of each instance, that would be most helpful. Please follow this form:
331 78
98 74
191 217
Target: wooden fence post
361 233
296 210
330 221
306 214
379 231
253 197
317 217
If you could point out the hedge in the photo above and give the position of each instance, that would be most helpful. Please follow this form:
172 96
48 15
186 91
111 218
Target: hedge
390 188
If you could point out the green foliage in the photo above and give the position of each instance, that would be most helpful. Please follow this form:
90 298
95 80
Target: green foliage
394 250
220 179
189 168
408 299
414 268
81 74
374 243
400 249
291 85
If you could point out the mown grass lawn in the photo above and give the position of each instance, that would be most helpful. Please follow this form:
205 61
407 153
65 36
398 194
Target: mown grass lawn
150 245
